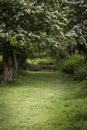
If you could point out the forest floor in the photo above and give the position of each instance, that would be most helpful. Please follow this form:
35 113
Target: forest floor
43 101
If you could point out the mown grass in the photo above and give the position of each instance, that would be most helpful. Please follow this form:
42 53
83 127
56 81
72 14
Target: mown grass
43 101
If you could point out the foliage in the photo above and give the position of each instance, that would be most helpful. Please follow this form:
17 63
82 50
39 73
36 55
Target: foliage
78 22
41 61
81 72
70 64
30 29
39 64
0 58
33 67
32 26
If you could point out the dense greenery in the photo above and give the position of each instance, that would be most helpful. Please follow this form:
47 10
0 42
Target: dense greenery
29 29
70 64
81 72
33 29
78 24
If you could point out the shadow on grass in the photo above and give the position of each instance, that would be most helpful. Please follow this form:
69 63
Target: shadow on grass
32 78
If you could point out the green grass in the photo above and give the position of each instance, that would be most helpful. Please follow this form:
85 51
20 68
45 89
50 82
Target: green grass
43 101
47 60
41 64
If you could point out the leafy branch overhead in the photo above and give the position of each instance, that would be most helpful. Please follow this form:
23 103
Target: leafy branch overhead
39 27
38 21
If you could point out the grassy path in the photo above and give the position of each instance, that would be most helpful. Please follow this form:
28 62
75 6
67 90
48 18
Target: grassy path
43 101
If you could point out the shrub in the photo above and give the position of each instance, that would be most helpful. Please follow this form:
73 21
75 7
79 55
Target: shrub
42 61
81 72
33 67
46 63
70 64
42 64
49 67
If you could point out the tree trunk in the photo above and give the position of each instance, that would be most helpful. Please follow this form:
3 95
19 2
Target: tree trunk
8 69
21 62
15 63
12 64
85 58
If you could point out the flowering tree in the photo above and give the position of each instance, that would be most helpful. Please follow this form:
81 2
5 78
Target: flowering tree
28 29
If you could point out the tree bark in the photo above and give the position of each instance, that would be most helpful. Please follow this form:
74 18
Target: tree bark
15 63
21 62
12 63
8 69
85 57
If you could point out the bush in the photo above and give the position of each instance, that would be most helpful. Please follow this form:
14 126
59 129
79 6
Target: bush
70 64
42 61
46 63
33 67
81 72
39 64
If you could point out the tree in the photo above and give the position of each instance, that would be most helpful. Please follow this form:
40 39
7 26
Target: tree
78 23
28 27
11 15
